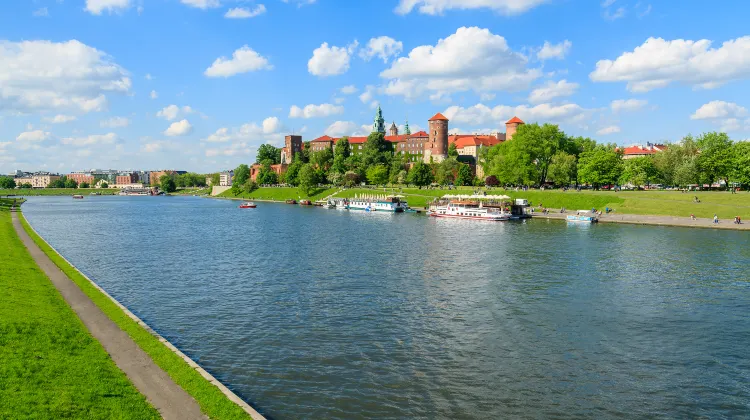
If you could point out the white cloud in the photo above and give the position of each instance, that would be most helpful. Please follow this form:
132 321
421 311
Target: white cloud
556 51
607 3
179 128
272 125
96 7
244 12
552 90
342 128
60 119
91 140
471 59
43 75
617 14
34 136
437 7
151 147
368 95
153 94
330 61
719 109
315 111
481 114
658 62
612 129
487 97
149 77
171 112
348 90
41 12
383 47
243 60
242 141
115 122
627 105
202 4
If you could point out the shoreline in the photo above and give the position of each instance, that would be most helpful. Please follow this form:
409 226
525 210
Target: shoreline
231 396
653 220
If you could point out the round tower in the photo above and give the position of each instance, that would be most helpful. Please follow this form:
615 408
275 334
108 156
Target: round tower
437 143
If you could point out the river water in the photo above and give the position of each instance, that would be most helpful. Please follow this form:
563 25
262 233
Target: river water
310 313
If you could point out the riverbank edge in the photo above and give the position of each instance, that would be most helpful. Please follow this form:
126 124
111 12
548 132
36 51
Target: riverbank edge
687 221
231 396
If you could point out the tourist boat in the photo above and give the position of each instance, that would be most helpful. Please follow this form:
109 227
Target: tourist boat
330 204
305 203
137 192
291 201
342 204
78 197
95 193
391 203
583 216
248 205
473 210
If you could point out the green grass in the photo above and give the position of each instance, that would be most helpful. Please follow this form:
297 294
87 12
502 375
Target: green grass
57 191
50 366
191 191
281 194
211 400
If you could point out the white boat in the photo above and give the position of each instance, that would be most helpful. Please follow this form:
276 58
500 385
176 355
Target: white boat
391 203
330 204
583 216
473 210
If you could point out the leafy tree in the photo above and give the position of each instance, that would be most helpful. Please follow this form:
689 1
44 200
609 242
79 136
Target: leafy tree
420 174
491 181
402 177
71 183
304 154
25 186
562 169
167 184
375 150
377 175
340 153
398 164
512 165
105 185
601 166
446 171
267 152
335 178
236 188
741 164
307 178
241 174
639 171
351 179
292 172
577 145
84 184
249 186
452 150
526 159
715 160
266 175
676 163
322 159
464 176
7 182
215 179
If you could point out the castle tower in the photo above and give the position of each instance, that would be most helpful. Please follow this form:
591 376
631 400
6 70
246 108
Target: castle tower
393 130
511 126
292 146
407 130
437 142
378 125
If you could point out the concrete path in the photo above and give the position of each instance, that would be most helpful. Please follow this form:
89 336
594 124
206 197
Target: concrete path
637 219
160 390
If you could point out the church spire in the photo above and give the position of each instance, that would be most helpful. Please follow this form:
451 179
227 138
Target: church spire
378 125
407 130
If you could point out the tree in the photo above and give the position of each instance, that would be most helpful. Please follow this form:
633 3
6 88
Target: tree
464 176
236 188
307 178
335 178
601 166
676 163
452 150
420 174
267 152
215 179
167 184
292 171
402 177
511 165
84 184
398 164
322 159
25 186
562 169
266 175
446 171
491 181
639 171
375 150
741 165
340 153
241 174
526 159
377 175
351 179
249 186
105 185
71 183
715 160
7 182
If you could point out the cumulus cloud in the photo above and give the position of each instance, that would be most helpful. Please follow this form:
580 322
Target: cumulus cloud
552 90
437 7
202 4
244 12
93 139
719 109
344 128
330 61
384 47
243 140
315 111
627 105
554 51
96 7
272 125
658 62
348 90
481 114
60 119
243 60
612 129
171 112
153 94
179 128
34 136
470 59
44 75
115 122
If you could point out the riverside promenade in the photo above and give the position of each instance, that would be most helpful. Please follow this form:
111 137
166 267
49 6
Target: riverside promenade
155 384
639 219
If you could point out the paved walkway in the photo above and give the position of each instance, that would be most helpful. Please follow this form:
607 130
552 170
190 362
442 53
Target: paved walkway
637 219
160 390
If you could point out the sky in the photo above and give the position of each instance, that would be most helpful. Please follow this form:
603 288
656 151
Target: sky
198 85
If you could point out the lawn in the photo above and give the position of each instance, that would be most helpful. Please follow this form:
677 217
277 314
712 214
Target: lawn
212 401
192 191
57 191
281 194
51 366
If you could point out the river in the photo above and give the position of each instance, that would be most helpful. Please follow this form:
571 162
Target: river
310 313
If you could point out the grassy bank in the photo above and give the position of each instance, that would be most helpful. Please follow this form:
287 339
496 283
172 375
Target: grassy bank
51 366
57 191
281 194
192 191
212 401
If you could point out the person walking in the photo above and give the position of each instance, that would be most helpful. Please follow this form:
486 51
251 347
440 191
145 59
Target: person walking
716 219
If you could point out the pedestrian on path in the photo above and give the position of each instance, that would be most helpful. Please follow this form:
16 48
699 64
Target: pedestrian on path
716 219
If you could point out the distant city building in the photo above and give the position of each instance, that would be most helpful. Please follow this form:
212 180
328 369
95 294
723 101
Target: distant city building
126 178
154 177
225 178
144 177
292 146
638 150
37 179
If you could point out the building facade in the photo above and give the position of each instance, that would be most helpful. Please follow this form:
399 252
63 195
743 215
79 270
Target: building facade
126 178
511 126
37 179
638 150
225 178
292 146
437 142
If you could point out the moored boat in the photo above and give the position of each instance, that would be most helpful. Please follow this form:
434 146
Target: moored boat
291 201
78 197
583 216
391 203
472 210
248 205
305 203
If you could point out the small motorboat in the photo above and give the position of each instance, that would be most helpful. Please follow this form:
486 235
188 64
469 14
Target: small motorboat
248 205
305 203
78 197
291 201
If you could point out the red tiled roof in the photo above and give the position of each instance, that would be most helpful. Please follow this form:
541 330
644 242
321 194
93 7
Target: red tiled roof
420 134
463 140
640 150
515 120
396 139
325 138
438 116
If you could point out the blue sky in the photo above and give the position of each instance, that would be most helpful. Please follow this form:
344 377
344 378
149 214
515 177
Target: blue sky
199 84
